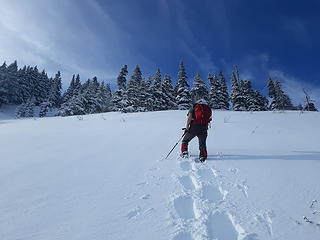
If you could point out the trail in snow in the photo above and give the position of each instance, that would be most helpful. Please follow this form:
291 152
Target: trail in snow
202 209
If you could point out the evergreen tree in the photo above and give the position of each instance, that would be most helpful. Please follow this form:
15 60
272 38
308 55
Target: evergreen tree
147 93
149 82
75 105
26 109
133 91
68 94
183 96
44 108
224 98
20 110
85 85
125 103
9 83
30 82
309 104
121 80
108 92
167 89
29 111
43 85
77 86
88 95
281 101
243 97
158 96
103 97
146 96
251 100
310 107
12 85
199 89
257 102
3 68
23 93
3 94
35 85
214 96
272 94
271 89
236 94
32 76
117 101
55 91
18 86
3 86
246 93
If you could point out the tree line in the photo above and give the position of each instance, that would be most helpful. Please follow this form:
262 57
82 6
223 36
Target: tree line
32 89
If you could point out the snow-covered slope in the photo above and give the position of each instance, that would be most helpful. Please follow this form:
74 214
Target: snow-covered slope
104 177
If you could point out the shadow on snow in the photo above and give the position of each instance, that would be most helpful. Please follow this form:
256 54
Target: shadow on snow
299 156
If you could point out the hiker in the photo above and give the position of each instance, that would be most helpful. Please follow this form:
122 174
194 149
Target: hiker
199 116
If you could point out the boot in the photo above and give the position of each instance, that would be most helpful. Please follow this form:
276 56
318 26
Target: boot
184 150
203 155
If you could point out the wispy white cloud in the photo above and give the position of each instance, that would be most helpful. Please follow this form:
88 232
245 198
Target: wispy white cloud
294 87
202 58
201 55
253 67
297 28
56 36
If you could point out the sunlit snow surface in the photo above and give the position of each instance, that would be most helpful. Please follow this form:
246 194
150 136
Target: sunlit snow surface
104 177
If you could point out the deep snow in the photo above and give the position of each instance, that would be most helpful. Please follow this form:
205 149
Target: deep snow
104 177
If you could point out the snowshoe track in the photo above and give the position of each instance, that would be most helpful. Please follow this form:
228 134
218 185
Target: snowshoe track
202 210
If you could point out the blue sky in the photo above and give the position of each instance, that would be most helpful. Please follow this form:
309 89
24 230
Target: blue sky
97 37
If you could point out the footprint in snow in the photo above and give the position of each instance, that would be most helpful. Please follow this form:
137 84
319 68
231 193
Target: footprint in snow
141 184
205 174
150 210
185 166
145 197
134 212
234 170
211 193
184 207
265 219
220 227
186 182
243 187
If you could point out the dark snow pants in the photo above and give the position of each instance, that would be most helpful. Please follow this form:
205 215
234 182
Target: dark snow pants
197 130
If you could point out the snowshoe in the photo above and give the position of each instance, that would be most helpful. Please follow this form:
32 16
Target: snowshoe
184 154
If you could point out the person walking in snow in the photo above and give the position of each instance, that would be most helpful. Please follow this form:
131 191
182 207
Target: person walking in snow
199 116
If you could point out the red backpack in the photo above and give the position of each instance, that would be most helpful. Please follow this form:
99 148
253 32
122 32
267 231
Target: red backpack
202 114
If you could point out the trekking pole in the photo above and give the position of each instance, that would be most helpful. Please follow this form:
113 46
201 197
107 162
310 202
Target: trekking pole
176 143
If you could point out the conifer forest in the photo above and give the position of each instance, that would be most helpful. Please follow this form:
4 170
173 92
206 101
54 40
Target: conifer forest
31 89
